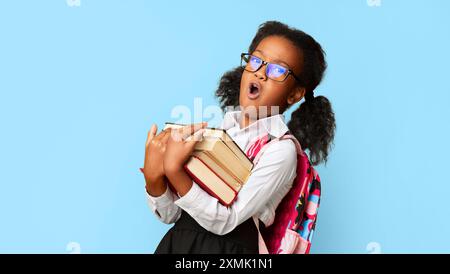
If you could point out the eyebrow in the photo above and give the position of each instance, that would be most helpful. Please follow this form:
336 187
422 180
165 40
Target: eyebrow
275 60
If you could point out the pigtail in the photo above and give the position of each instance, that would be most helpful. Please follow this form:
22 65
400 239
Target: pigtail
228 90
313 124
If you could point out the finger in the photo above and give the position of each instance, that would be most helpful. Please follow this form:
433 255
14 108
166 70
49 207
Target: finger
166 136
151 134
176 135
196 137
190 129
193 139
160 135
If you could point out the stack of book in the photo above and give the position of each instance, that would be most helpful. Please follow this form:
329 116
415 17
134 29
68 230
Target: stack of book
218 164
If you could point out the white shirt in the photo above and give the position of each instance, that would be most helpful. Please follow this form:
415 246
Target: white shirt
269 181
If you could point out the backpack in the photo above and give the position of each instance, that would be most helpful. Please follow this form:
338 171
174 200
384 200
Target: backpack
296 215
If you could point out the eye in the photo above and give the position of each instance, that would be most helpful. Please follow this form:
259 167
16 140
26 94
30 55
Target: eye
277 70
255 62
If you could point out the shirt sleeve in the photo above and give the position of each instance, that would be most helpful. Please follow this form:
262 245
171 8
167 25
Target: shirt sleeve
273 174
164 207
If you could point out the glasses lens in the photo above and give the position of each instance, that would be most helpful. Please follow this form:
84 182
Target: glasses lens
276 72
251 63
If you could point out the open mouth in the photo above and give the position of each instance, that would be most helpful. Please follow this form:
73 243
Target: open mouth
254 90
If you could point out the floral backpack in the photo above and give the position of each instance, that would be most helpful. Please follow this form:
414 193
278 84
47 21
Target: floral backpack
296 215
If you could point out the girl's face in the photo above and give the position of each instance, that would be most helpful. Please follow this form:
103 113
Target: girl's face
270 93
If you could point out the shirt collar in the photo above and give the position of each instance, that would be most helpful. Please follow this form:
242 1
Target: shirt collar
274 125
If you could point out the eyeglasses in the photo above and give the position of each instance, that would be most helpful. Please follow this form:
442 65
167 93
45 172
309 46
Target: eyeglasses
273 71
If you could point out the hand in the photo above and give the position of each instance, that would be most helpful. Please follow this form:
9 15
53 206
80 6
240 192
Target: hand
180 146
155 146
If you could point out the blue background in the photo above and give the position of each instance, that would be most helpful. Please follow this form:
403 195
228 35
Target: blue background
81 86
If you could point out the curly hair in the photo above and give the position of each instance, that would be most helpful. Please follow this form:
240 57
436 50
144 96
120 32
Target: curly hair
313 122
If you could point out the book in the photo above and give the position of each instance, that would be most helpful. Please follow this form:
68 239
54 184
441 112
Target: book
222 172
210 181
218 164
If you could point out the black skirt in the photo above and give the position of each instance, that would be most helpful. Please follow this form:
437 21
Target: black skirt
188 237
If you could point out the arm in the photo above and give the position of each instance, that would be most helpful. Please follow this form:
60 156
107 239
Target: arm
271 179
159 196
163 205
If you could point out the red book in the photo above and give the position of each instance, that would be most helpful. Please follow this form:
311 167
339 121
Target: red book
210 181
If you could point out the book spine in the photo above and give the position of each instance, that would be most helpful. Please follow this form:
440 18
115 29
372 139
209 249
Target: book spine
227 183
208 190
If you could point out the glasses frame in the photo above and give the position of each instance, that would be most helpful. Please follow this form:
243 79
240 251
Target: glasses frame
290 72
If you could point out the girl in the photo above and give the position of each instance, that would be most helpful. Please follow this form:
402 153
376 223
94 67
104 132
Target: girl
283 65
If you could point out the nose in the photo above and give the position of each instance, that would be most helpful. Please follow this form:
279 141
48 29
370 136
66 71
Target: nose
261 72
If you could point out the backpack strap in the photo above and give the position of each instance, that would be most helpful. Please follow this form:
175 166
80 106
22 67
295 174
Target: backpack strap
256 148
287 208
261 244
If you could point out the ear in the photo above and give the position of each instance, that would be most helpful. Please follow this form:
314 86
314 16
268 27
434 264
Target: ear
295 95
